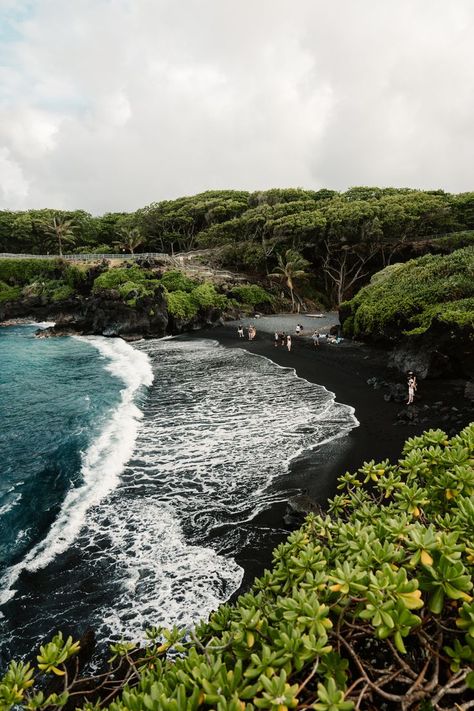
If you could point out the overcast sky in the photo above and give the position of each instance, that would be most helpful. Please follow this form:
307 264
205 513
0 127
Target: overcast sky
109 105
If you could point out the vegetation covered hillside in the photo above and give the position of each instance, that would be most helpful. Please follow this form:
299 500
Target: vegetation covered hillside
433 292
345 237
54 285
368 606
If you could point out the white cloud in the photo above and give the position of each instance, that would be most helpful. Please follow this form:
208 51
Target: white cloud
122 102
13 185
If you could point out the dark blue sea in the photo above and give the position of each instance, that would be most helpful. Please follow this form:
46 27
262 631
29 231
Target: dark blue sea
130 477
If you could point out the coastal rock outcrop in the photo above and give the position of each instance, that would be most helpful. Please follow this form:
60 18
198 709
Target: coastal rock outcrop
440 352
110 316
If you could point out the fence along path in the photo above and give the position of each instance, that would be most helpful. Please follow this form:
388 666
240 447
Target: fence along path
89 257
183 261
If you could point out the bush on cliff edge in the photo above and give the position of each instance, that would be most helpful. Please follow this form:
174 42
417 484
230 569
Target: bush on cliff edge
369 605
408 299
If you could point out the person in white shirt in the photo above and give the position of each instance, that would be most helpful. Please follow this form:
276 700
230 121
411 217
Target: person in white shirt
411 387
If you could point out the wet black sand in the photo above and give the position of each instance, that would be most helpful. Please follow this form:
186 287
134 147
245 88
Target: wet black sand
344 370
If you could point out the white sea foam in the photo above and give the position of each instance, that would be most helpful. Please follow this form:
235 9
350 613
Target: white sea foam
101 464
160 577
219 427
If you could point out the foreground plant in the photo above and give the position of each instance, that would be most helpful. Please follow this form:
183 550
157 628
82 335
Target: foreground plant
369 606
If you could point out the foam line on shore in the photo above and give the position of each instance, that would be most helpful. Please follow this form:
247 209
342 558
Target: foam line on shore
333 402
102 463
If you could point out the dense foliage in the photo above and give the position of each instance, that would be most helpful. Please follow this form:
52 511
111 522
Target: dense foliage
345 237
367 606
411 298
251 295
184 296
130 283
55 280
52 279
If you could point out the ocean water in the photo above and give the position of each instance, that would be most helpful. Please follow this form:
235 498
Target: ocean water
130 477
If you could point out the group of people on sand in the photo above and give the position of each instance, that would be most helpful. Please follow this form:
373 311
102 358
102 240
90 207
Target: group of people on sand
251 332
283 339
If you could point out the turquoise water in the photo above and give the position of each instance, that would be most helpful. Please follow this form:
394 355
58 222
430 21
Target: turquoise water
54 396
68 422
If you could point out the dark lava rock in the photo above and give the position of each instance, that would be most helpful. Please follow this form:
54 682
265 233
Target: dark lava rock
396 392
298 507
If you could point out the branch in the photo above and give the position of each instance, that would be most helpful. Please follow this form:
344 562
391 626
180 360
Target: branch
401 661
309 677
390 697
361 696
460 676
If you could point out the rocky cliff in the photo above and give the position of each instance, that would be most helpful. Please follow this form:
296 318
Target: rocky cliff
108 315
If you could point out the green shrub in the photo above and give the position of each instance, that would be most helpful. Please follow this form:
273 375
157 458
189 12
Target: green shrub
177 281
62 292
50 289
115 278
185 305
251 294
131 291
409 298
25 271
181 304
131 283
372 601
206 296
9 293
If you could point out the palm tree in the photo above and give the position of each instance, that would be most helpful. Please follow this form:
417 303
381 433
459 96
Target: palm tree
61 230
130 239
291 267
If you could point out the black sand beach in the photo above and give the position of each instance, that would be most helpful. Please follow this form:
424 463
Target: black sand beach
344 370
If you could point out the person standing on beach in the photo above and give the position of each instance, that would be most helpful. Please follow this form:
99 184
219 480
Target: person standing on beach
240 331
411 387
288 342
297 329
277 338
315 338
283 339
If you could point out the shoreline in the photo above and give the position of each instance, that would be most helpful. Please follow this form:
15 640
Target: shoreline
343 370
